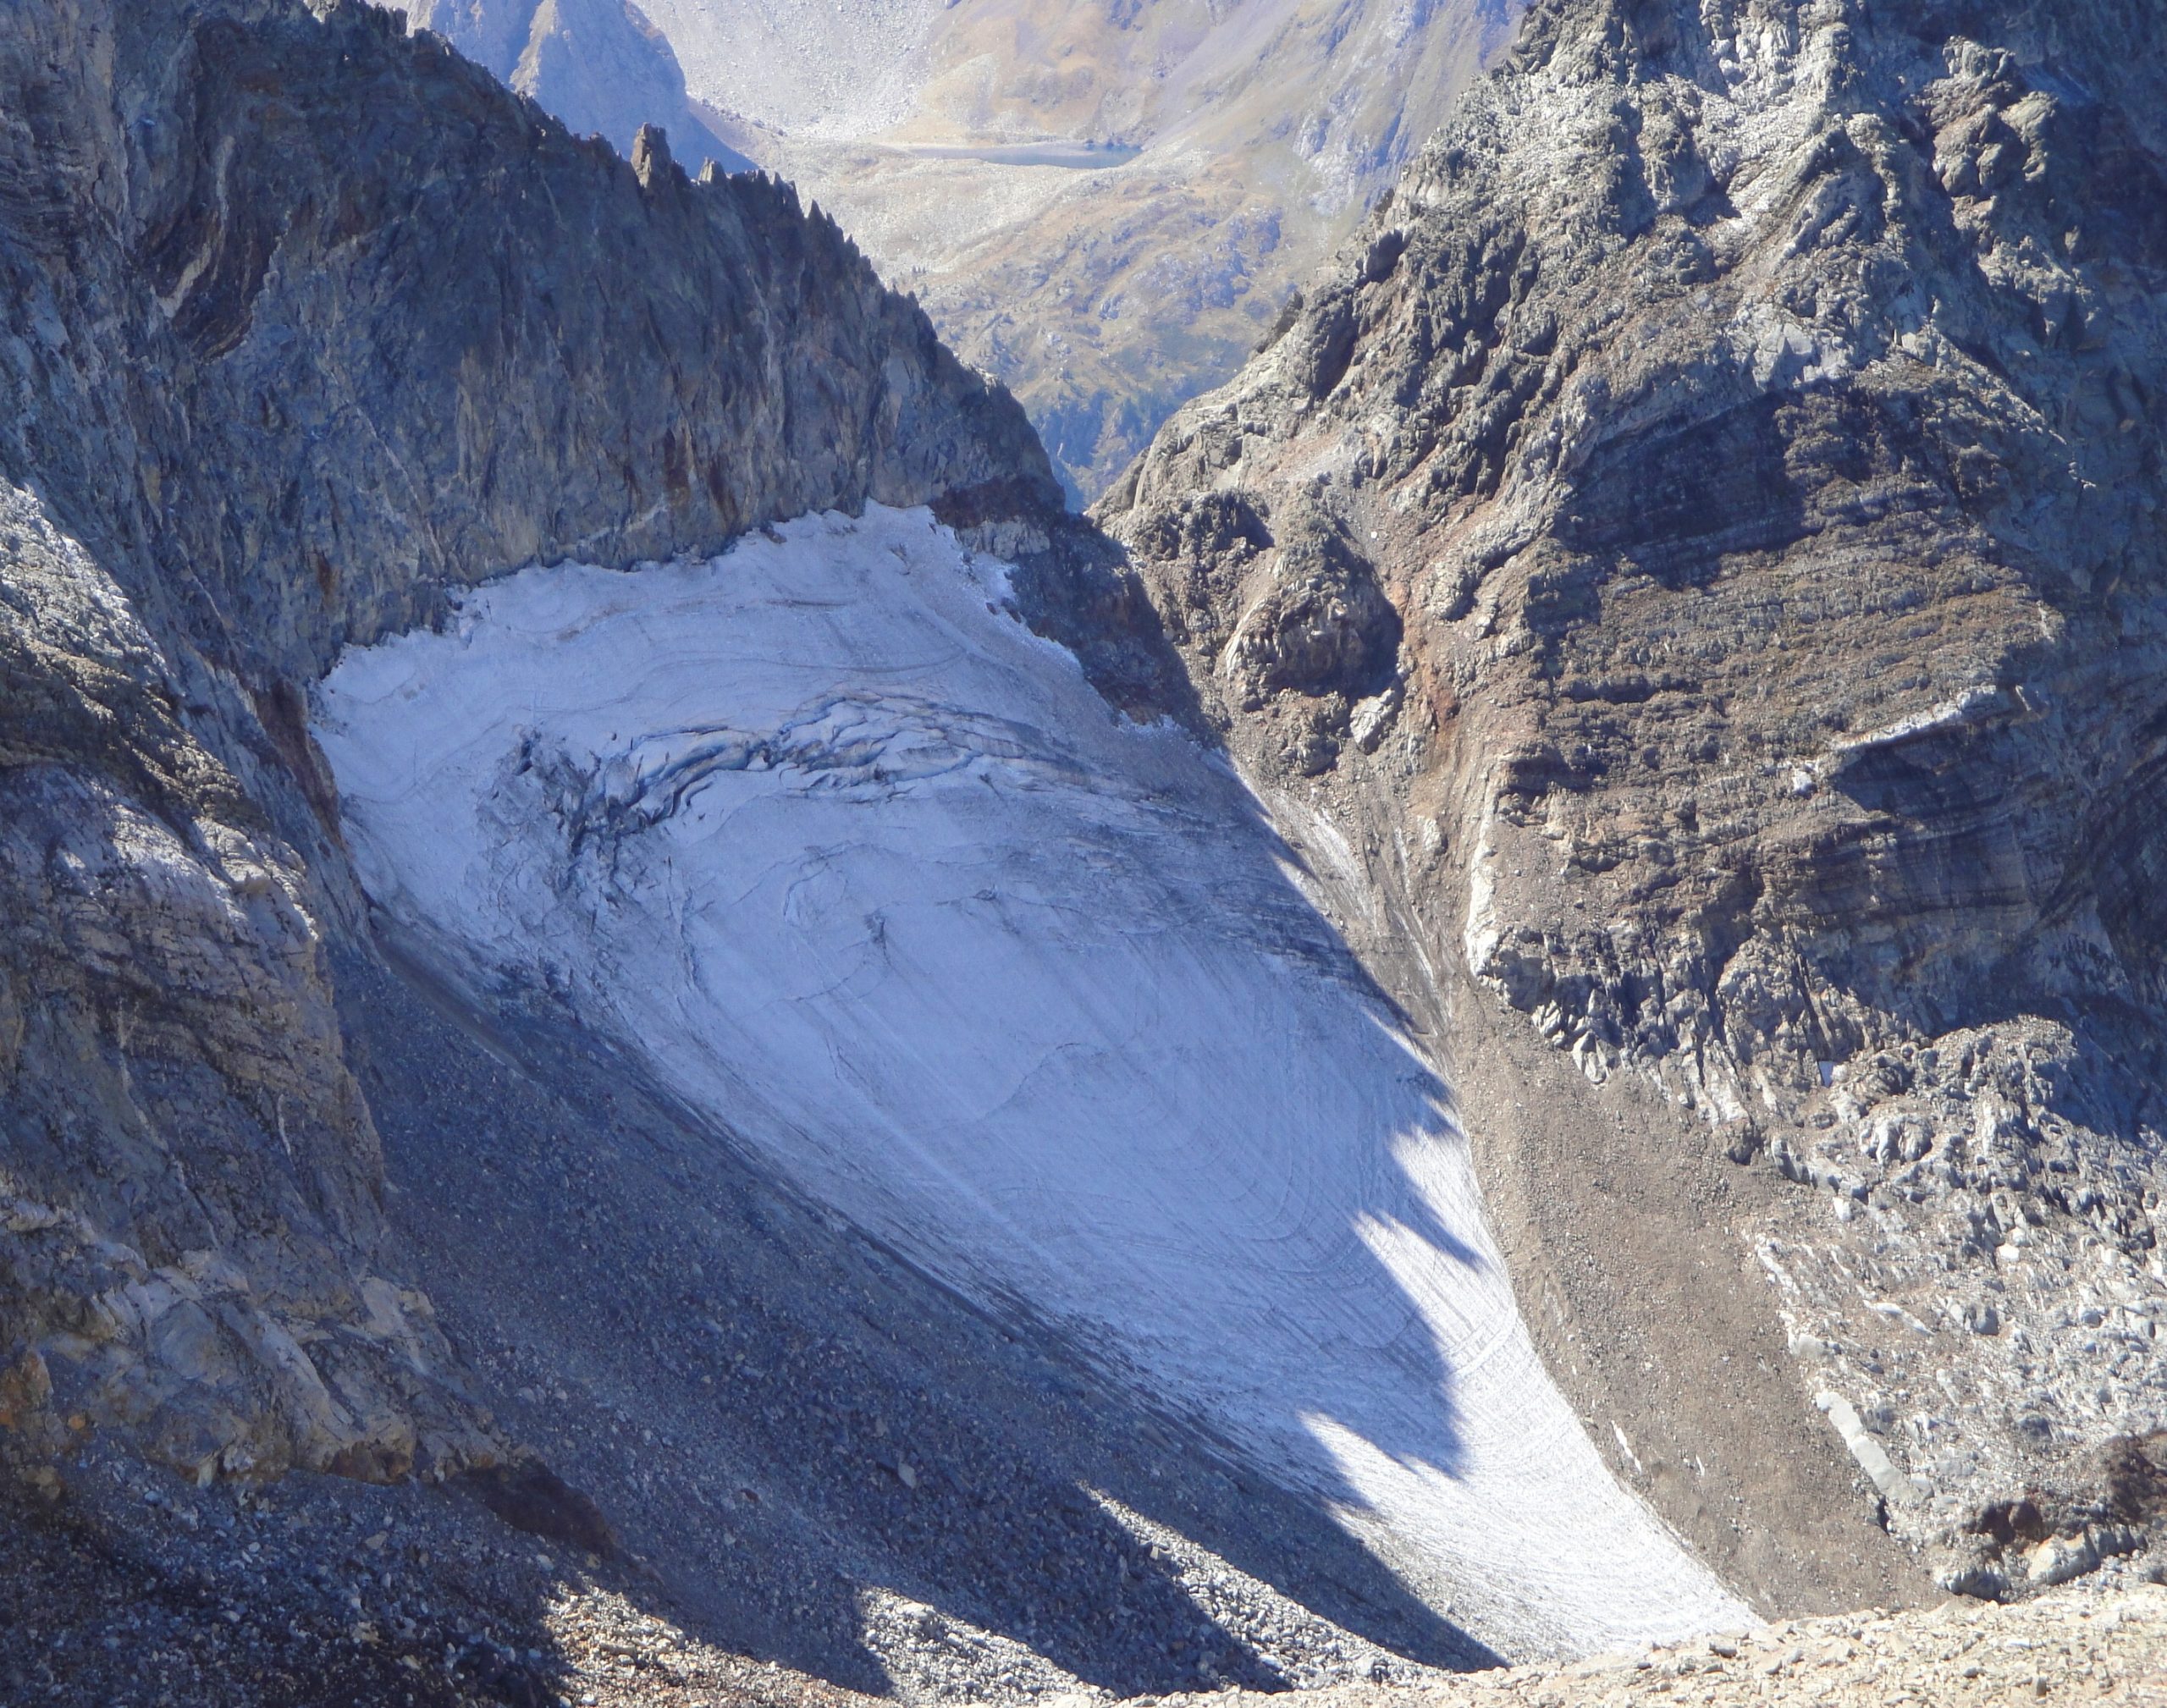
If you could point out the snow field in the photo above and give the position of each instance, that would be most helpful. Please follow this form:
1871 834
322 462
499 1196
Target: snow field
870 874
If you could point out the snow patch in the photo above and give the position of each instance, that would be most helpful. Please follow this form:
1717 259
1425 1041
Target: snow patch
868 872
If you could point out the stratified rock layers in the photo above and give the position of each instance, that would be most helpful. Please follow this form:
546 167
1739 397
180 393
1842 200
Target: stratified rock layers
1699 550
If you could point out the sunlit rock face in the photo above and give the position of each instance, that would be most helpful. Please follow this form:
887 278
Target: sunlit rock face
842 855
1700 542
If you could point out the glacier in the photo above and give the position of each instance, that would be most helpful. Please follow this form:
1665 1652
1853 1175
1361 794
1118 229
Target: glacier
869 875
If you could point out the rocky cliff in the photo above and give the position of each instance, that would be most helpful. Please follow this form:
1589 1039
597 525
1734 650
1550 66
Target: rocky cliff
306 321
1689 574
1685 580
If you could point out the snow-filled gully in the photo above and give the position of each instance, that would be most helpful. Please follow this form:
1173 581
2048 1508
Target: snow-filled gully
870 874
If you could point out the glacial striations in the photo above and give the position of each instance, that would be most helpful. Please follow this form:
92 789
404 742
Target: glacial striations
1696 559
306 320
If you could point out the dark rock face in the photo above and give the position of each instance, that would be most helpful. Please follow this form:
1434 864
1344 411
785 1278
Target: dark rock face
1755 413
302 321
538 351
188 1173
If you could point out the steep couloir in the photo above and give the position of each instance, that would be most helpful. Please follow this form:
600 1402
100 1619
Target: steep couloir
1689 574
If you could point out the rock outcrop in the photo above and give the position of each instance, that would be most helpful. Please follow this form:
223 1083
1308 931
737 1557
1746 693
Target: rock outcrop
306 321
1687 579
2110 1643
1690 573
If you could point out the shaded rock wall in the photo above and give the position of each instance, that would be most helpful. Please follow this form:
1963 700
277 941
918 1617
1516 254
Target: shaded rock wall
1754 413
303 321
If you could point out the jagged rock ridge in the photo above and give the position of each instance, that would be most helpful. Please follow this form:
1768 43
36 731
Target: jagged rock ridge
1699 545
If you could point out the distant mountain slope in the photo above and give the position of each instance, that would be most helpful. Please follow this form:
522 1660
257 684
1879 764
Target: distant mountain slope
599 65
833 68
1103 204
1105 297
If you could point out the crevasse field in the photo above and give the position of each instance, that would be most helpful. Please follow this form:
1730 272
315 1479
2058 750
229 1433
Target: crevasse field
871 875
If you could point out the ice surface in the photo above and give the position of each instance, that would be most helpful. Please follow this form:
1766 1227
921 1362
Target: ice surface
870 874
